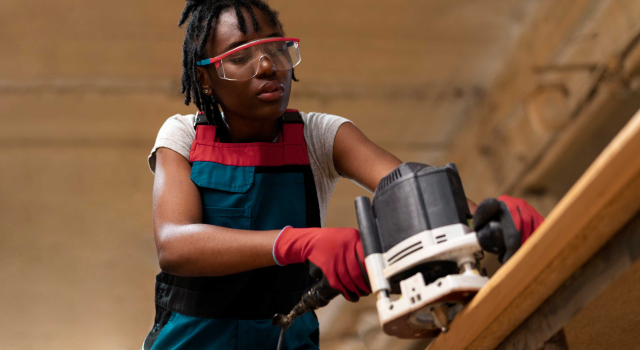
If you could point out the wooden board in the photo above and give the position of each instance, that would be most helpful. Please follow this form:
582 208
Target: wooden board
611 262
596 207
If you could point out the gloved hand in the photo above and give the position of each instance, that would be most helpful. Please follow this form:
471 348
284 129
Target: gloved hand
335 253
503 224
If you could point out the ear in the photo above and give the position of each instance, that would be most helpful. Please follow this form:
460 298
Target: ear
205 81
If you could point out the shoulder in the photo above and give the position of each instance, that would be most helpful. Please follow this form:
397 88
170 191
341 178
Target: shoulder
320 131
178 123
177 133
320 128
322 121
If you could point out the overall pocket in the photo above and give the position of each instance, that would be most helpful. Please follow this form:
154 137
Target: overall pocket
228 178
224 191
238 218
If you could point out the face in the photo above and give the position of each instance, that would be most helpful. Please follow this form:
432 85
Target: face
249 99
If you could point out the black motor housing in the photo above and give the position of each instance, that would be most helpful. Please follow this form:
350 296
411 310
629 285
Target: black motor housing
412 198
416 197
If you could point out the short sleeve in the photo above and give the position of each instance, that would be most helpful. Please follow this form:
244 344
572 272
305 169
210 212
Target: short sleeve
320 133
177 133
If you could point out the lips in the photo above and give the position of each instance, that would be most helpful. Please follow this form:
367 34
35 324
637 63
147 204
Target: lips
271 91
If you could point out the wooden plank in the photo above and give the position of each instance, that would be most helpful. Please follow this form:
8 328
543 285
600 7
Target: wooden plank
596 207
580 289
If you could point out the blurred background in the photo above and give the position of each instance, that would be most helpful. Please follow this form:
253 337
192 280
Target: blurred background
521 94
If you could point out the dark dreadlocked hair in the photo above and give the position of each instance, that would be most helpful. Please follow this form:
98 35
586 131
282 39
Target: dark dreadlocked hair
202 17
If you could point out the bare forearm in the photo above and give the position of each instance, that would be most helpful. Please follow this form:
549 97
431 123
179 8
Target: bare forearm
361 160
207 250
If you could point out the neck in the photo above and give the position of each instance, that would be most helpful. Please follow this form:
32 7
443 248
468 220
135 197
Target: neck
241 130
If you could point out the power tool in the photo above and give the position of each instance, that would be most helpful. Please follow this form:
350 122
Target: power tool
422 258
418 246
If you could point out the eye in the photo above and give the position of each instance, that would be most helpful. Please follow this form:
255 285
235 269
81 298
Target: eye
239 58
276 48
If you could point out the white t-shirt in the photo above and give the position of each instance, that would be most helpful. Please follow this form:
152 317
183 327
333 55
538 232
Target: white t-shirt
320 129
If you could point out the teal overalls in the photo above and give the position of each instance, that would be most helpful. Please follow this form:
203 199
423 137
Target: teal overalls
248 186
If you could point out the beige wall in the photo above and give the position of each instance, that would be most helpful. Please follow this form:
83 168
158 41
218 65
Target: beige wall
85 86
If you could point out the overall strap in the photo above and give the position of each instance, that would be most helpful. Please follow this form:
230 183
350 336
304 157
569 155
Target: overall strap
201 119
291 121
205 130
290 116
292 126
291 148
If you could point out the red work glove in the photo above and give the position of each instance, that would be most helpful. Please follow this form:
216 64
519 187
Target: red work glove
504 224
336 252
525 217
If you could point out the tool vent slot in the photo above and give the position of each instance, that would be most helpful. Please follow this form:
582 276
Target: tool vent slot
389 179
441 239
405 252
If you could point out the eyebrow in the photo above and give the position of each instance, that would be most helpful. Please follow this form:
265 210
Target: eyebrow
242 42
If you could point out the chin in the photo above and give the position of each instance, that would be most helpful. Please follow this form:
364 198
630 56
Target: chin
264 113
273 110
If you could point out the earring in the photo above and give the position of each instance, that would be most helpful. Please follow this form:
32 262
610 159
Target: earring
206 91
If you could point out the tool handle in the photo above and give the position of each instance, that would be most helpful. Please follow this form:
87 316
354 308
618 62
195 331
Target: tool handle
315 297
367 226
318 295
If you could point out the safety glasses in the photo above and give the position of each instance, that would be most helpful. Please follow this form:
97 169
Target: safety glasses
243 62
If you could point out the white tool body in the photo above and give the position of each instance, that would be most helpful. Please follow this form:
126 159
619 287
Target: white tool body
421 255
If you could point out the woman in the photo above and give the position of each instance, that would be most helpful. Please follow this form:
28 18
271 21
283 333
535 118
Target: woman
247 189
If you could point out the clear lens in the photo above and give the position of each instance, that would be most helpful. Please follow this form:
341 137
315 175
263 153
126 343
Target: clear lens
244 64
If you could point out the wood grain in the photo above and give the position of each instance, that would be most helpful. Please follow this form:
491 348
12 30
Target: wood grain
612 261
595 208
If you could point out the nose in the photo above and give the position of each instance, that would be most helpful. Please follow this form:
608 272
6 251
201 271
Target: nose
266 66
